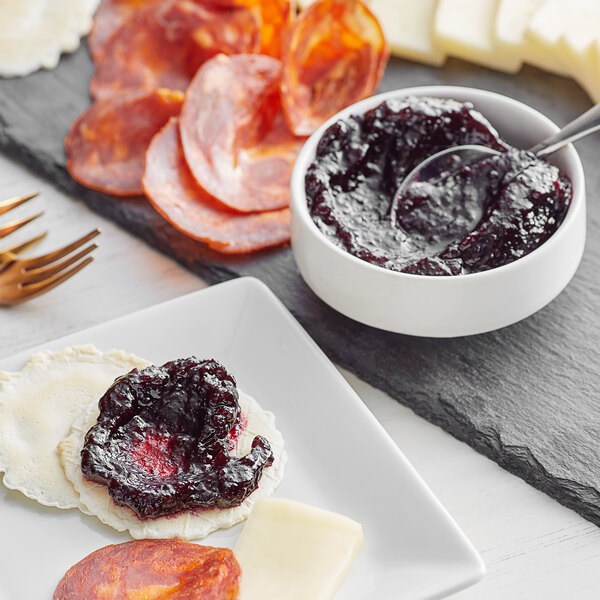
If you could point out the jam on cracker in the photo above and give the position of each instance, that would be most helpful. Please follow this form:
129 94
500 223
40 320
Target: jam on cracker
164 439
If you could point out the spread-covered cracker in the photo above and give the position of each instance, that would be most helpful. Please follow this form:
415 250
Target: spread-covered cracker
189 524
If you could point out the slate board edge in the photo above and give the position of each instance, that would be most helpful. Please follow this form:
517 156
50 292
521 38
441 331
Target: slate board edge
518 460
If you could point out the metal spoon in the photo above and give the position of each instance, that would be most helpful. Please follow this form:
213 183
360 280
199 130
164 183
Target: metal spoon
451 160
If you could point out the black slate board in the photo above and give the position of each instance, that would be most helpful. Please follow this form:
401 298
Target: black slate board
526 396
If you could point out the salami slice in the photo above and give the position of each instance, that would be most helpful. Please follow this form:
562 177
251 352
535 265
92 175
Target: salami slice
163 568
234 137
274 17
335 54
163 45
111 14
172 190
106 144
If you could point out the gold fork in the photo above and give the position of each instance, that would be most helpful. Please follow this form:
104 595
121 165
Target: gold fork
11 227
22 279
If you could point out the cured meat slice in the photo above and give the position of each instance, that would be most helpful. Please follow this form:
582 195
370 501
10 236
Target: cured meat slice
111 14
335 55
153 569
275 18
163 45
172 190
234 137
106 144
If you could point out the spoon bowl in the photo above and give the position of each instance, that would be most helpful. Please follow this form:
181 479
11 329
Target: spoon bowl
434 197
445 163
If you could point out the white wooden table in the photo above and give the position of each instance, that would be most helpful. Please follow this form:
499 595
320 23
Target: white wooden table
533 547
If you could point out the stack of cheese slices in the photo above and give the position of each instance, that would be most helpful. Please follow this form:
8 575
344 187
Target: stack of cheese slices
560 36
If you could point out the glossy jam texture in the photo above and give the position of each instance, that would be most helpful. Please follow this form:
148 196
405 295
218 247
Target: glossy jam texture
163 440
479 218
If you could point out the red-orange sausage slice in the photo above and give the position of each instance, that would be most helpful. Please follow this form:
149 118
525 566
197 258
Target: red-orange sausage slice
275 18
163 45
106 144
172 190
335 55
235 141
111 14
153 569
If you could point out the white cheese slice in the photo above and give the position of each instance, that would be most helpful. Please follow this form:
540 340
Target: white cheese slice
466 29
34 33
408 28
293 551
576 46
547 25
593 82
512 19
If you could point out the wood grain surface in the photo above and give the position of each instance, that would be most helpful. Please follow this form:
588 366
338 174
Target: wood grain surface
525 396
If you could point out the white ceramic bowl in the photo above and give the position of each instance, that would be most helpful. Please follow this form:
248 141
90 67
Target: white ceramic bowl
444 306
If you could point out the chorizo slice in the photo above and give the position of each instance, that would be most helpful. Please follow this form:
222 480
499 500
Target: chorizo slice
162 568
106 144
111 14
162 45
234 137
335 54
173 191
274 17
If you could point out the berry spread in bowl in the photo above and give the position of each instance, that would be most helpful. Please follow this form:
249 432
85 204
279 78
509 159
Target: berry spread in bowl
483 216
164 439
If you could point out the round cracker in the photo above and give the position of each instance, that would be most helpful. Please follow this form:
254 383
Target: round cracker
38 405
34 33
189 525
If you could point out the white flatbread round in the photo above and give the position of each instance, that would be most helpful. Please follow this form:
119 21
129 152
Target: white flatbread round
34 33
189 525
38 405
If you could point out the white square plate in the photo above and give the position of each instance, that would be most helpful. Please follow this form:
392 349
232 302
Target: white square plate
340 458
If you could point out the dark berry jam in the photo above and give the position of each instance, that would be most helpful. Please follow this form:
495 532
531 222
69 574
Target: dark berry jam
480 217
163 440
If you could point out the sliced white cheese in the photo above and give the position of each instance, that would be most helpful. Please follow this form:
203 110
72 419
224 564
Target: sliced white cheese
576 46
512 19
593 83
547 25
408 28
466 29
293 551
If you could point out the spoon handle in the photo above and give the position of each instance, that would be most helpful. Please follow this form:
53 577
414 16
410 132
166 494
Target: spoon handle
583 125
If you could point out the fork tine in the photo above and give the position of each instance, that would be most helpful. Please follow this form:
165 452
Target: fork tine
14 225
46 259
11 203
31 290
34 275
18 248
